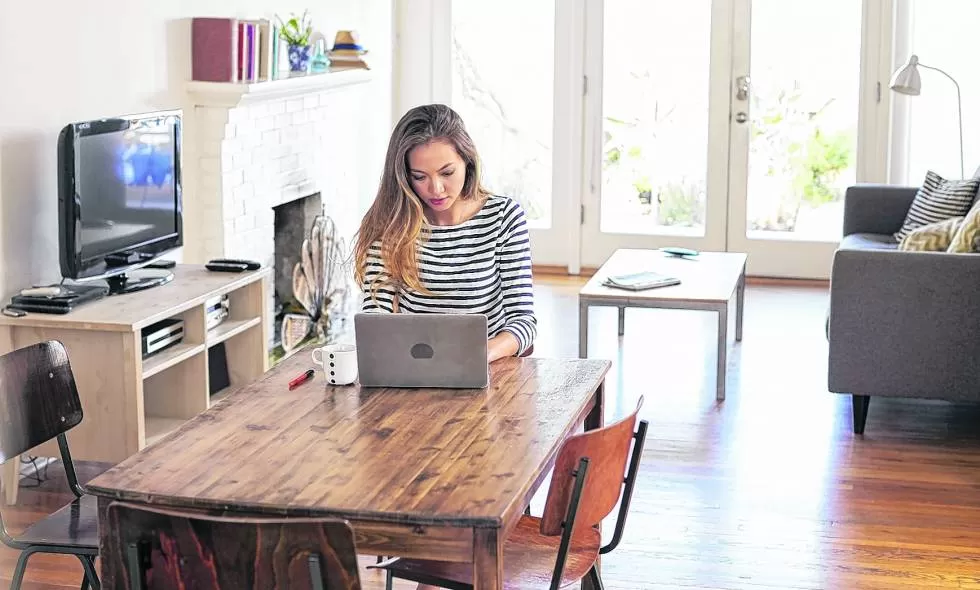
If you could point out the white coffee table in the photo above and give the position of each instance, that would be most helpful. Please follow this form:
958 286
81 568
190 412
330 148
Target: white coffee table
708 283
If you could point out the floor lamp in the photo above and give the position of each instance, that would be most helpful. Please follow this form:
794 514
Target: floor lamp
906 80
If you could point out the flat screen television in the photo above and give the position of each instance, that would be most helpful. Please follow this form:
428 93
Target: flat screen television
119 196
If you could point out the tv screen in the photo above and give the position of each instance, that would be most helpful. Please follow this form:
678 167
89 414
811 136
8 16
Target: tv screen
120 192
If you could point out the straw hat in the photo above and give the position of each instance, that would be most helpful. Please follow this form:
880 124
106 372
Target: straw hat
345 42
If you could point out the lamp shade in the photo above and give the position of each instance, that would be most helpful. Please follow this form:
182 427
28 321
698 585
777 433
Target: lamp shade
906 79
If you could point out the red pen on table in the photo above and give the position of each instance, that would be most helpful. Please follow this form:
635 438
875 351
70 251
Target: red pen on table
296 382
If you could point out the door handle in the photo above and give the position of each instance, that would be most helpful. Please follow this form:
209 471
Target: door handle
742 84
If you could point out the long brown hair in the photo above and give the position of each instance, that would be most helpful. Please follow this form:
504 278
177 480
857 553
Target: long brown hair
396 218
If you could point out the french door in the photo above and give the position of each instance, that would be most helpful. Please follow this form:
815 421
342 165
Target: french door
728 125
709 124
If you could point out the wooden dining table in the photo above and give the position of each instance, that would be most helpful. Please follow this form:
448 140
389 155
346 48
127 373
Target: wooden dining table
425 473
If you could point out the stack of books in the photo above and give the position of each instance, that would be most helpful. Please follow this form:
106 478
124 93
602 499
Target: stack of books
235 50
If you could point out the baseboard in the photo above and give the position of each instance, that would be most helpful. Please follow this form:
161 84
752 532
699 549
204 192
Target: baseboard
557 271
787 282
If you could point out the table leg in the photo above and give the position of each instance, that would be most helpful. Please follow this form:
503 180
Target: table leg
596 416
488 564
10 476
622 321
583 329
722 370
739 305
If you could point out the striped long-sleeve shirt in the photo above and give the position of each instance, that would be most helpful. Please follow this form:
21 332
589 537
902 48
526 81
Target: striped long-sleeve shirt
482 265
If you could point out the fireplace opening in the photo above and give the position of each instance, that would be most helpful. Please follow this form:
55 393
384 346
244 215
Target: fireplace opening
311 289
293 222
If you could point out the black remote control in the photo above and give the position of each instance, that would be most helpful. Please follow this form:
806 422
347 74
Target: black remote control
161 264
225 267
249 264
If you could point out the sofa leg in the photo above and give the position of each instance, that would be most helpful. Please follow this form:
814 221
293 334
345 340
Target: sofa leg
859 406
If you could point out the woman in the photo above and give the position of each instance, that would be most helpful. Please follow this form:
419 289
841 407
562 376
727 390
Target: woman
435 241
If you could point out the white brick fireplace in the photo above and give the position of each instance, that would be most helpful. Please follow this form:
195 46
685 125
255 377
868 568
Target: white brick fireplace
252 147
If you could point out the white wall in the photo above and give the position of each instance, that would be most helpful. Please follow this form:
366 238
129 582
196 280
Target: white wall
424 46
67 61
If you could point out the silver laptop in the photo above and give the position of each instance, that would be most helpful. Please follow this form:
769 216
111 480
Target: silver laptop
421 350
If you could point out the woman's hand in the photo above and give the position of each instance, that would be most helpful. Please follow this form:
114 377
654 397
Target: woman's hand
502 345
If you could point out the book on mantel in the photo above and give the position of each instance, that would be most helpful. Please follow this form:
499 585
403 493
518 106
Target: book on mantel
234 50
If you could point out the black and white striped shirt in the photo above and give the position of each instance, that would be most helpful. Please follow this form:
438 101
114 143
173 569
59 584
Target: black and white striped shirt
482 265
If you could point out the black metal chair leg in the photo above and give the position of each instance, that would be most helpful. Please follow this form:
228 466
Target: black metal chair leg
85 583
380 559
18 578
595 579
389 580
88 564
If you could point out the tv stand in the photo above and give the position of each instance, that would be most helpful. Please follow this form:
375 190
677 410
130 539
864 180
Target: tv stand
129 402
138 280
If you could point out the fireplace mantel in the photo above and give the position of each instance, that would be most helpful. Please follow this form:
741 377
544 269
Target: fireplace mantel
253 147
235 94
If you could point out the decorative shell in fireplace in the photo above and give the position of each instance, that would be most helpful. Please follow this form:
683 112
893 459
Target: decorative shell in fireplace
318 280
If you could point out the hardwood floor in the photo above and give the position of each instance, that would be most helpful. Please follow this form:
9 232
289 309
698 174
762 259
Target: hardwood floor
767 490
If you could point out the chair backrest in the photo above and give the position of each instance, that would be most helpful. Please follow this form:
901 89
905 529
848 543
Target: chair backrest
38 397
158 549
608 449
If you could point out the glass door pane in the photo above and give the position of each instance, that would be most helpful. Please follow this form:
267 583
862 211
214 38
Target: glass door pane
503 87
796 128
655 92
656 132
805 76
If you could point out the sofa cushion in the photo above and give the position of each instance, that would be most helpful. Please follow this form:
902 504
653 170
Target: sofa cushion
863 241
938 199
935 237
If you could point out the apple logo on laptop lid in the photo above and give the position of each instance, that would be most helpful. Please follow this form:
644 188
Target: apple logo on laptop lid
422 351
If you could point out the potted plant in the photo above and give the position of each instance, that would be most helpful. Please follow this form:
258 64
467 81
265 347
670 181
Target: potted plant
297 33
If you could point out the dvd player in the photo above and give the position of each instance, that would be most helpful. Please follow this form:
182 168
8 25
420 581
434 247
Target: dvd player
162 335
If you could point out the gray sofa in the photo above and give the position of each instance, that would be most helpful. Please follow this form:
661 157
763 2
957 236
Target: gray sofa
900 324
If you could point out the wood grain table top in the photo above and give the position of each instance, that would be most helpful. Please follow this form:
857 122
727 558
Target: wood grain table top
710 277
413 456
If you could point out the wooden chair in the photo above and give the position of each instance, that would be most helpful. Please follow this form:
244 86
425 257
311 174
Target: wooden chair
563 546
159 549
39 402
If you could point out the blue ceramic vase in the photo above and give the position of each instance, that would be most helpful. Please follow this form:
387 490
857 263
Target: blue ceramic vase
299 58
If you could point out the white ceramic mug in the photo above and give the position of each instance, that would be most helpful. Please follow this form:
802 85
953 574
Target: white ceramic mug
338 361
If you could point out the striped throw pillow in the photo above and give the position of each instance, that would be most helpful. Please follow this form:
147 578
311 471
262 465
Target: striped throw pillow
938 199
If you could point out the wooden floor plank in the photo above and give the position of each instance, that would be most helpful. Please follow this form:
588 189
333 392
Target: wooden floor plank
768 490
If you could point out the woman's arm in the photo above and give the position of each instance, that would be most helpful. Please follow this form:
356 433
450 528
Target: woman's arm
503 345
514 256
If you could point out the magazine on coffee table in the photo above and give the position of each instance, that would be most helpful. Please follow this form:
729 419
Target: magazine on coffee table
640 281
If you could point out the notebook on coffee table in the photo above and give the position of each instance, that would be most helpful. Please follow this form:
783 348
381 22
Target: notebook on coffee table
640 281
